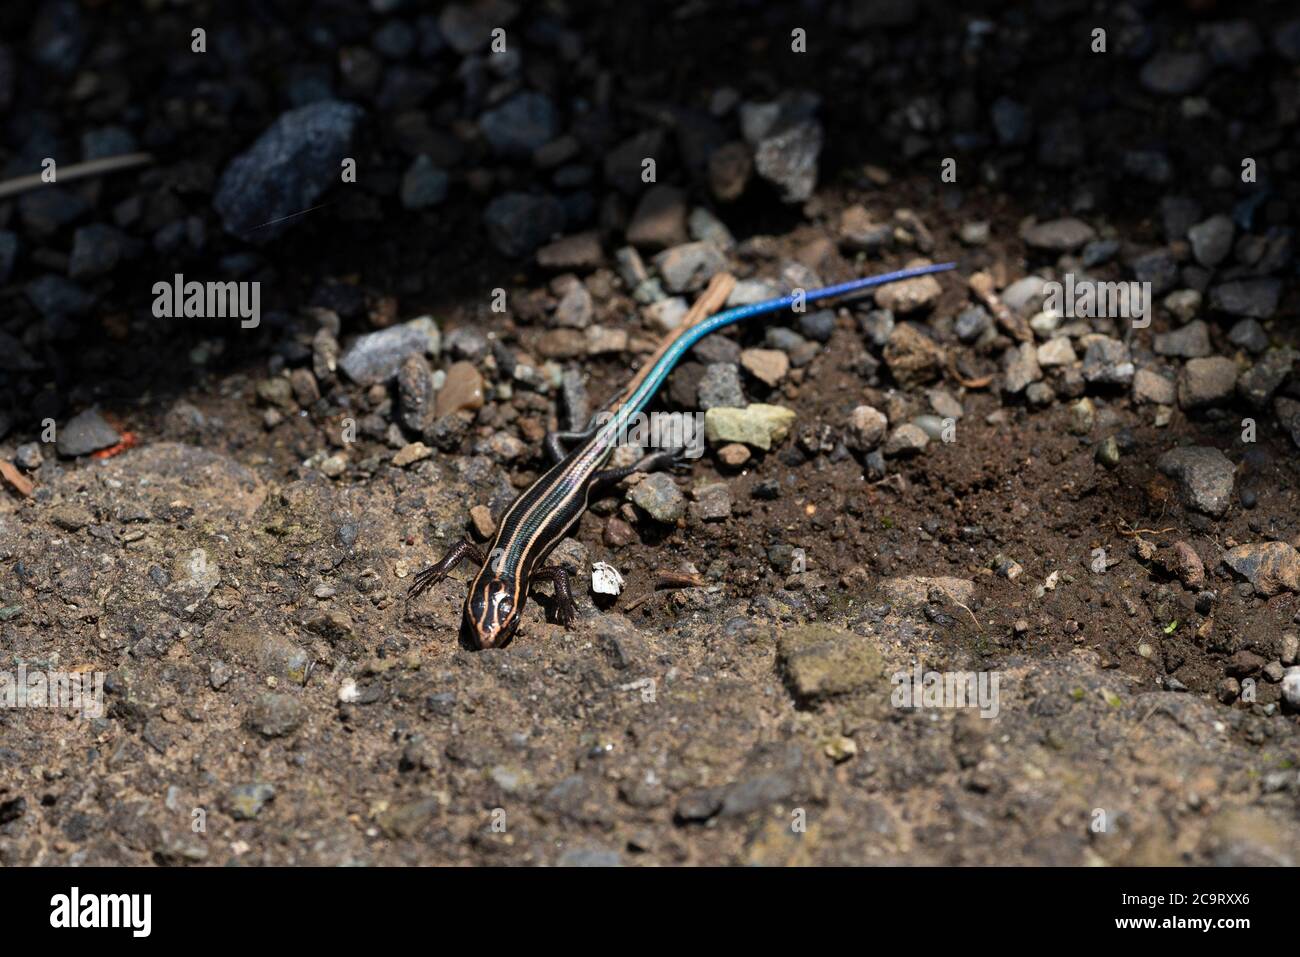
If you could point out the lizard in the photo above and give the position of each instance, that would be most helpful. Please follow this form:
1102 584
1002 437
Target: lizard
541 516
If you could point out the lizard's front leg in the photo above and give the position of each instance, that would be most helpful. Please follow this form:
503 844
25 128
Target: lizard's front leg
436 573
565 610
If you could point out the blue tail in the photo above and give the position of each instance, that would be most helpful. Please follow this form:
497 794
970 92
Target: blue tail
721 319
655 377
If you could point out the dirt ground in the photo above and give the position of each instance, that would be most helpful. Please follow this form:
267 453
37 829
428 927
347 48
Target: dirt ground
238 569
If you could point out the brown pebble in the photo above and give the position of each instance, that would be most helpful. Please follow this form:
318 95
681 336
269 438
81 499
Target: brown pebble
1187 565
618 532
462 390
411 453
734 455
769 366
484 525
1244 663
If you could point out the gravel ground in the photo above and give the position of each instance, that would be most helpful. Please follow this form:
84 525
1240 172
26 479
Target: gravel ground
1093 511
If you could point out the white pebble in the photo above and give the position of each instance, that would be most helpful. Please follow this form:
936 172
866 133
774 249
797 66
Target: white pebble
605 579
1291 687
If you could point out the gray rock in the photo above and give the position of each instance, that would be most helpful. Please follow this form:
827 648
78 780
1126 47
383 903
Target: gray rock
1266 376
28 456
1205 476
468 27
1205 382
818 326
423 184
907 439
590 857
1192 341
518 223
866 428
84 433
712 502
467 342
415 392
286 170
521 124
575 308
1025 296
375 357
660 497
1158 267
1056 352
689 266
1184 304
703 225
1174 73
972 323
1107 361
789 159
1150 386
1020 368
1256 298
1212 240
1059 235
1249 335
720 386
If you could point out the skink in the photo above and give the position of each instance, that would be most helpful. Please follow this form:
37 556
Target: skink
542 515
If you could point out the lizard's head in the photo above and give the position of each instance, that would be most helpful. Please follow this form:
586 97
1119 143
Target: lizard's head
492 613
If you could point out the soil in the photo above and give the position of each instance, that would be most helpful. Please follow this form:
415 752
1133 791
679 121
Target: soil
273 698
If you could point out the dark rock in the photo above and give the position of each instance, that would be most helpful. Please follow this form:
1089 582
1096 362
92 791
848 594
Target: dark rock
286 170
1270 566
518 223
8 254
1174 73
521 124
1192 341
1256 298
57 297
423 184
84 433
